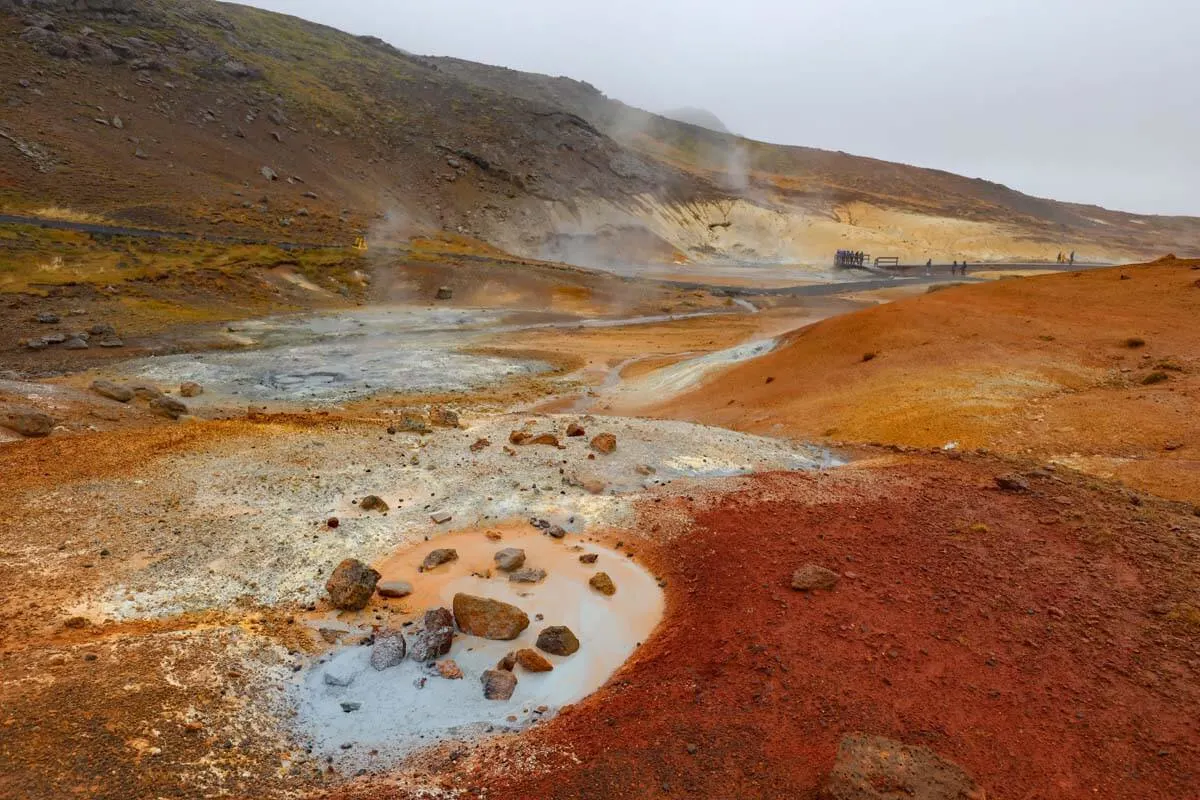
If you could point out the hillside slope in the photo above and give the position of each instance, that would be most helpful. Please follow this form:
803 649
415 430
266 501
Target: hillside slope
229 119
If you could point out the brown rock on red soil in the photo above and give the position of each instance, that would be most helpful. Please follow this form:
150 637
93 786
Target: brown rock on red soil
533 661
543 438
113 391
1012 483
814 576
558 640
875 768
480 444
519 437
351 585
604 443
575 429
26 421
491 619
589 558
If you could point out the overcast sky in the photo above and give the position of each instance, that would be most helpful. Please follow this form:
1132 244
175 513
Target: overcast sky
1086 100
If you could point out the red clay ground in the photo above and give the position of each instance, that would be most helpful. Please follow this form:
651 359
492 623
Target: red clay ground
1044 641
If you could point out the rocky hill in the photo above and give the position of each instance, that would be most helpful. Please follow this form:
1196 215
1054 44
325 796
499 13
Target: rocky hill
232 120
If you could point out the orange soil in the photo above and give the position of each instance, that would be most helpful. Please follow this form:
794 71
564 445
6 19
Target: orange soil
1042 640
1034 366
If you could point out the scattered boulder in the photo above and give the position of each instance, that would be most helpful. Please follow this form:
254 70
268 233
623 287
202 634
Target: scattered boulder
443 417
190 389
113 391
54 338
875 768
1012 483
604 444
414 422
339 675
102 329
373 502
556 532
436 618
575 429
603 584
26 421
75 343
146 391
36 344
528 575
558 640
48 318
508 662
110 341
480 444
814 576
269 174
644 469
441 517
491 619
589 558
510 558
351 585
449 669
431 644
444 293
543 438
168 407
394 588
498 684
533 661
389 649
519 437
442 555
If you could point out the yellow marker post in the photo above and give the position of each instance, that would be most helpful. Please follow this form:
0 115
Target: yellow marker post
361 243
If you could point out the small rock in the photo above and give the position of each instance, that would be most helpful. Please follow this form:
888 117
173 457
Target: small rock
480 444
558 640
593 485
389 649
441 517
337 675
102 329
350 705
533 661
508 662
444 293
443 417
603 584
644 469
491 619
498 684
1012 483
575 429
493 536
556 532
528 575
372 502
147 392
118 123
604 444
36 344
54 338
394 588
351 585
431 644
442 555
510 558
519 437
75 343
26 421
190 389
814 576
449 670
436 618
168 407
589 558
48 318
543 438
414 422
110 341
269 174
332 522
113 391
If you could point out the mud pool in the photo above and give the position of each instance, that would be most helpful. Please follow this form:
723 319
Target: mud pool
410 705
